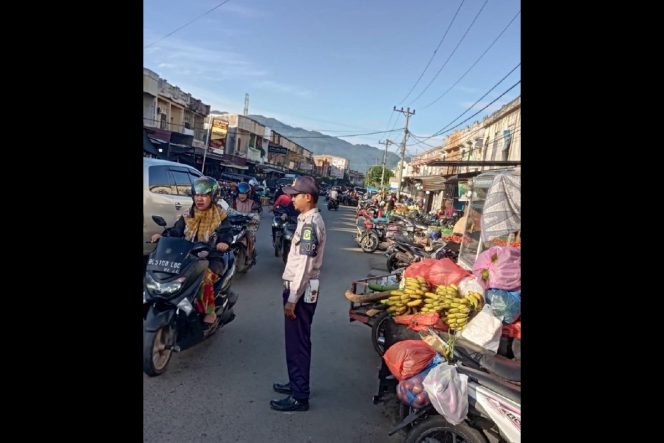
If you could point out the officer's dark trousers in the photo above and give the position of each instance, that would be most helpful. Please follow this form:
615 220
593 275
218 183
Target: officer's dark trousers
298 346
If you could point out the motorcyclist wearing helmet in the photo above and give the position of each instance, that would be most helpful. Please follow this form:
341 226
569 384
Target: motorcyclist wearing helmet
244 205
205 221
253 183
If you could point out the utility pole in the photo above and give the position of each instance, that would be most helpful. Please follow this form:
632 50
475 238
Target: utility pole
382 175
407 113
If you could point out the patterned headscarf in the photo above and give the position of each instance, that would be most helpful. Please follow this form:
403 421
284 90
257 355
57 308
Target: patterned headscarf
202 225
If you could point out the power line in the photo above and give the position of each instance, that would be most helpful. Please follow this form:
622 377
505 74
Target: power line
441 131
434 52
476 61
349 135
479 99
469 118
453 51
485 146
187 24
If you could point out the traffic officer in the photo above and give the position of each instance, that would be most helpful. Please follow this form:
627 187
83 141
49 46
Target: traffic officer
300 293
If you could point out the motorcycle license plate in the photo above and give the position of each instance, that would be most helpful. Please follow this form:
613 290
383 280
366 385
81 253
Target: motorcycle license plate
169 266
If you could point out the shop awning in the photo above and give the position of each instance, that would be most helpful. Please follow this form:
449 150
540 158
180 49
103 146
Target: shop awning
431 182
148 146
232 165
268 170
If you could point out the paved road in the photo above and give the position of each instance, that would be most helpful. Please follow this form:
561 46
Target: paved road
220 390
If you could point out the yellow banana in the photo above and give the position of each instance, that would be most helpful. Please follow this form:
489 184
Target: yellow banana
415 302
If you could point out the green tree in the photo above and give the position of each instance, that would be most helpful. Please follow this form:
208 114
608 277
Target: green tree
373 176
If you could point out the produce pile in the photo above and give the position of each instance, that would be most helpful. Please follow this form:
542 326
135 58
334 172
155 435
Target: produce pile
416 297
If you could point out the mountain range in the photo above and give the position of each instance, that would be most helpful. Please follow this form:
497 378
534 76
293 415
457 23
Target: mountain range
361 157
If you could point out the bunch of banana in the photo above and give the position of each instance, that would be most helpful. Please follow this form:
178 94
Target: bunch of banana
457 310
476 300
407 300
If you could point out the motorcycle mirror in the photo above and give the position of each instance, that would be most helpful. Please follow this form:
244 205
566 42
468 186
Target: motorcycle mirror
159 220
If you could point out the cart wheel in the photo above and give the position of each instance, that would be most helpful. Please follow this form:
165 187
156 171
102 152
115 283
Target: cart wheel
378 333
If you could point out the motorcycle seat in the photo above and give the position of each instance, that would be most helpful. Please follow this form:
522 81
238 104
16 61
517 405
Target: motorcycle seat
501 366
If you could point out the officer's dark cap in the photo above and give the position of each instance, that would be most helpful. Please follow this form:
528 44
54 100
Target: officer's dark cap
302 185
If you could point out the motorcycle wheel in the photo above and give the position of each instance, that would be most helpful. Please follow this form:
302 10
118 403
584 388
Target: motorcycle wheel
241 260
392 263
436 428
369 242
378 333
155 356
277 248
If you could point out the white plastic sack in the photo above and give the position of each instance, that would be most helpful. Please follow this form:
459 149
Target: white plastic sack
484 330
448 392
470 284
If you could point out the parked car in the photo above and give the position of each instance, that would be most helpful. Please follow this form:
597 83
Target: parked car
166 192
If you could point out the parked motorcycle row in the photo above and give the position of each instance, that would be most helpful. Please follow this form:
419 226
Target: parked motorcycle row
405 239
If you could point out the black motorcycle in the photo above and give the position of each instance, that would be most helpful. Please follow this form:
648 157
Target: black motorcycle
332 204
402 253
288 230
283 228
244 260
173 277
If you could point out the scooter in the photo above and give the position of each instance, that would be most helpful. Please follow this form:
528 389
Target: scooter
494 403
173 277
245 258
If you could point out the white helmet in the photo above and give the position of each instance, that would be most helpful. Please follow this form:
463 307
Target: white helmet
253 182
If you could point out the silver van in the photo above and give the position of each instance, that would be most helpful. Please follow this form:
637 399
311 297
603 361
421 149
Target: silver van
166 192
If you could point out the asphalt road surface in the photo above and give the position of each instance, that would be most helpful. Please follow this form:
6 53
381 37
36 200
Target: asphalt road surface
219 390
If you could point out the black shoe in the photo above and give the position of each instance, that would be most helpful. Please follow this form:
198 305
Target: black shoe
282 389
289 404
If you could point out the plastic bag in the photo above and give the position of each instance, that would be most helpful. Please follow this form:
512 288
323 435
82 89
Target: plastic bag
448 392
513 330
407 358
419 269
445 272
506 305
484 330
411 392
499 267
420 321
470 284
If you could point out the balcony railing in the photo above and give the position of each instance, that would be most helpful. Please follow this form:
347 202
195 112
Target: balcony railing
199 132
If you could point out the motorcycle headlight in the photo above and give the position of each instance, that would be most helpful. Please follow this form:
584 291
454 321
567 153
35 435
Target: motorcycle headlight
163 288
288 236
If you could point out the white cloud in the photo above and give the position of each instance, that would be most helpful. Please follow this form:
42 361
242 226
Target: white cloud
280 87
212 64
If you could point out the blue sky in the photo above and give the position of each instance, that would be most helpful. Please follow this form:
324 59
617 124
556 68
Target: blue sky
338 66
